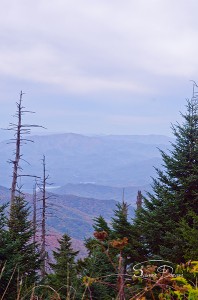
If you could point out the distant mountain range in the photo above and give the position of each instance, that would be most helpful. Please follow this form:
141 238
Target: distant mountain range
112 160
90 190
90 172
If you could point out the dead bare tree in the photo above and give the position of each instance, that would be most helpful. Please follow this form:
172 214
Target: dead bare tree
44 206
43 224
34 219
20 130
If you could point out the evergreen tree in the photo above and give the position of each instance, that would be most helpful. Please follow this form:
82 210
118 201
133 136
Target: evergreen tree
100 263
22 259
100 224
6 247
98 267
3 235
189 234
129 252
64 279
175 191
107 249
134 250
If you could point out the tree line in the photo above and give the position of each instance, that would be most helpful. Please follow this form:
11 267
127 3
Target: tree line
124 257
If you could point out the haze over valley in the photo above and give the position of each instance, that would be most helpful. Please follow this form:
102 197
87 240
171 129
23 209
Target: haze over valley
111 160
90 174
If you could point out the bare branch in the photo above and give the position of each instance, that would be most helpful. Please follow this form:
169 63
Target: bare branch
20 130
33 176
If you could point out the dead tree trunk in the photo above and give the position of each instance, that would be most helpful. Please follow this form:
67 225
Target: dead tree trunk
18 148
43 222
20 130
121 293
45 207
34 219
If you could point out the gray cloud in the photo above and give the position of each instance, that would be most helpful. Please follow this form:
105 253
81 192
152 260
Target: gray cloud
138 48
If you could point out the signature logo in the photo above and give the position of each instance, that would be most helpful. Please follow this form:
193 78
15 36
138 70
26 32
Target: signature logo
164 269
153 268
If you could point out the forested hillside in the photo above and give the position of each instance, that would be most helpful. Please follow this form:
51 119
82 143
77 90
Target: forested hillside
69 213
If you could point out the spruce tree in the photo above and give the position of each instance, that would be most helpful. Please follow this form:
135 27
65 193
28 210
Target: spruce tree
105 253
3 235
100 224
23 262
100 263
189 234
134 250
98 268
64 278
6 248
175 191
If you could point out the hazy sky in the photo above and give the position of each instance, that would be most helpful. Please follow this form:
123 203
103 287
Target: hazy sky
105 66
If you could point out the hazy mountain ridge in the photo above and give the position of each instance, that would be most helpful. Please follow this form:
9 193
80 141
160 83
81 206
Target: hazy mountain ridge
90 190
104 160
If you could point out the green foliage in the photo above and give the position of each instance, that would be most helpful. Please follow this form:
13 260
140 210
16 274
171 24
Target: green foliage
184 288
174 194
64 278
100 224
134 251
20 253
103 279
100 267
189 232
112 250
6 248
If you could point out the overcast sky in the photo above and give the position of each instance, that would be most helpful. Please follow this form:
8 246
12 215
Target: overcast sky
105 66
